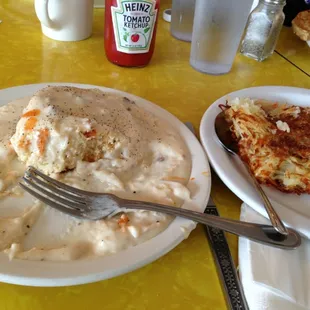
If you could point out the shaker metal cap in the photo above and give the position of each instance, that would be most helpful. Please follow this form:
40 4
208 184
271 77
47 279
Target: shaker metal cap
282 2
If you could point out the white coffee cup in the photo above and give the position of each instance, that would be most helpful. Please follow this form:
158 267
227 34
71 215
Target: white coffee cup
65 20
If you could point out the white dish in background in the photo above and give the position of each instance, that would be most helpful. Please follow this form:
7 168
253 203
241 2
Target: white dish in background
49 273
294 210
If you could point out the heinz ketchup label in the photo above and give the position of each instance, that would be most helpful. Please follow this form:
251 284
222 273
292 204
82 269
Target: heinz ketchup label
133 25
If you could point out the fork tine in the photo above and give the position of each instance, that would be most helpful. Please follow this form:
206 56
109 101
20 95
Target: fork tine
74 205
62 186
56 190
53 204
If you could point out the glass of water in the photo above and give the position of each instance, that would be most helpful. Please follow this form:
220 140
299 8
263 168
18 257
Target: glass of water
218 27
182 17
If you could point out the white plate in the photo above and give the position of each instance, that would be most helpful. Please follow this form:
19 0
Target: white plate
84 271
294 210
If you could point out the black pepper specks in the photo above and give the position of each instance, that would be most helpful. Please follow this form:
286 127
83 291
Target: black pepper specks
128 100
161 158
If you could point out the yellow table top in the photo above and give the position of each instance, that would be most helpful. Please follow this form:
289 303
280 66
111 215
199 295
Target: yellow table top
294 49
185 278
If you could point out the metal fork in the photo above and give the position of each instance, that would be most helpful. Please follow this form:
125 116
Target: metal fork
96 206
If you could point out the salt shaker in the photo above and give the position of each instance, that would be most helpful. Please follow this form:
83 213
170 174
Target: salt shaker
263 29
182 17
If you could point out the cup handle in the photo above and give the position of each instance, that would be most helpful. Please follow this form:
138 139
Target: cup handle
41 8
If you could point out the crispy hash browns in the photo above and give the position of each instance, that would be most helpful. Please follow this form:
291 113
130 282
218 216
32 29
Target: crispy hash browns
274 139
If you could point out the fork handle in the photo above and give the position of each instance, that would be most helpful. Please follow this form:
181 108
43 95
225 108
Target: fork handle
257 232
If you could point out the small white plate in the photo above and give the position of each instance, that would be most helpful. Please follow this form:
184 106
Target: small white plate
294 210
85 271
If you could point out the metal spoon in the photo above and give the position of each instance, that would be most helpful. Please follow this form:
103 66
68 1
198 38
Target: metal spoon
222 129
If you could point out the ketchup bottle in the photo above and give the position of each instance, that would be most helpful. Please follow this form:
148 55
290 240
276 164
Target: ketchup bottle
130 31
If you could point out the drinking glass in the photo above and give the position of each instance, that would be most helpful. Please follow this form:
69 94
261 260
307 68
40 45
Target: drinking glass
182 16
217 31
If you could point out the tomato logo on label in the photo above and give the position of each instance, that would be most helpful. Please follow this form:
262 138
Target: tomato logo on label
133 24
135 37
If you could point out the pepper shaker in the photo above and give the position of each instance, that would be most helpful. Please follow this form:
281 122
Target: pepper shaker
263 29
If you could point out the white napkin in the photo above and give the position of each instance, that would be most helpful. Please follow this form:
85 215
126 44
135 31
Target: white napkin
273 279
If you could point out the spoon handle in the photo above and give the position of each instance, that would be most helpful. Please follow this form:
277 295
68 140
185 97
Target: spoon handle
260 233
273 215
223 132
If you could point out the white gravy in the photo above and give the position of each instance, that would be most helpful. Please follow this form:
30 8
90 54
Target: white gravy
31 230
